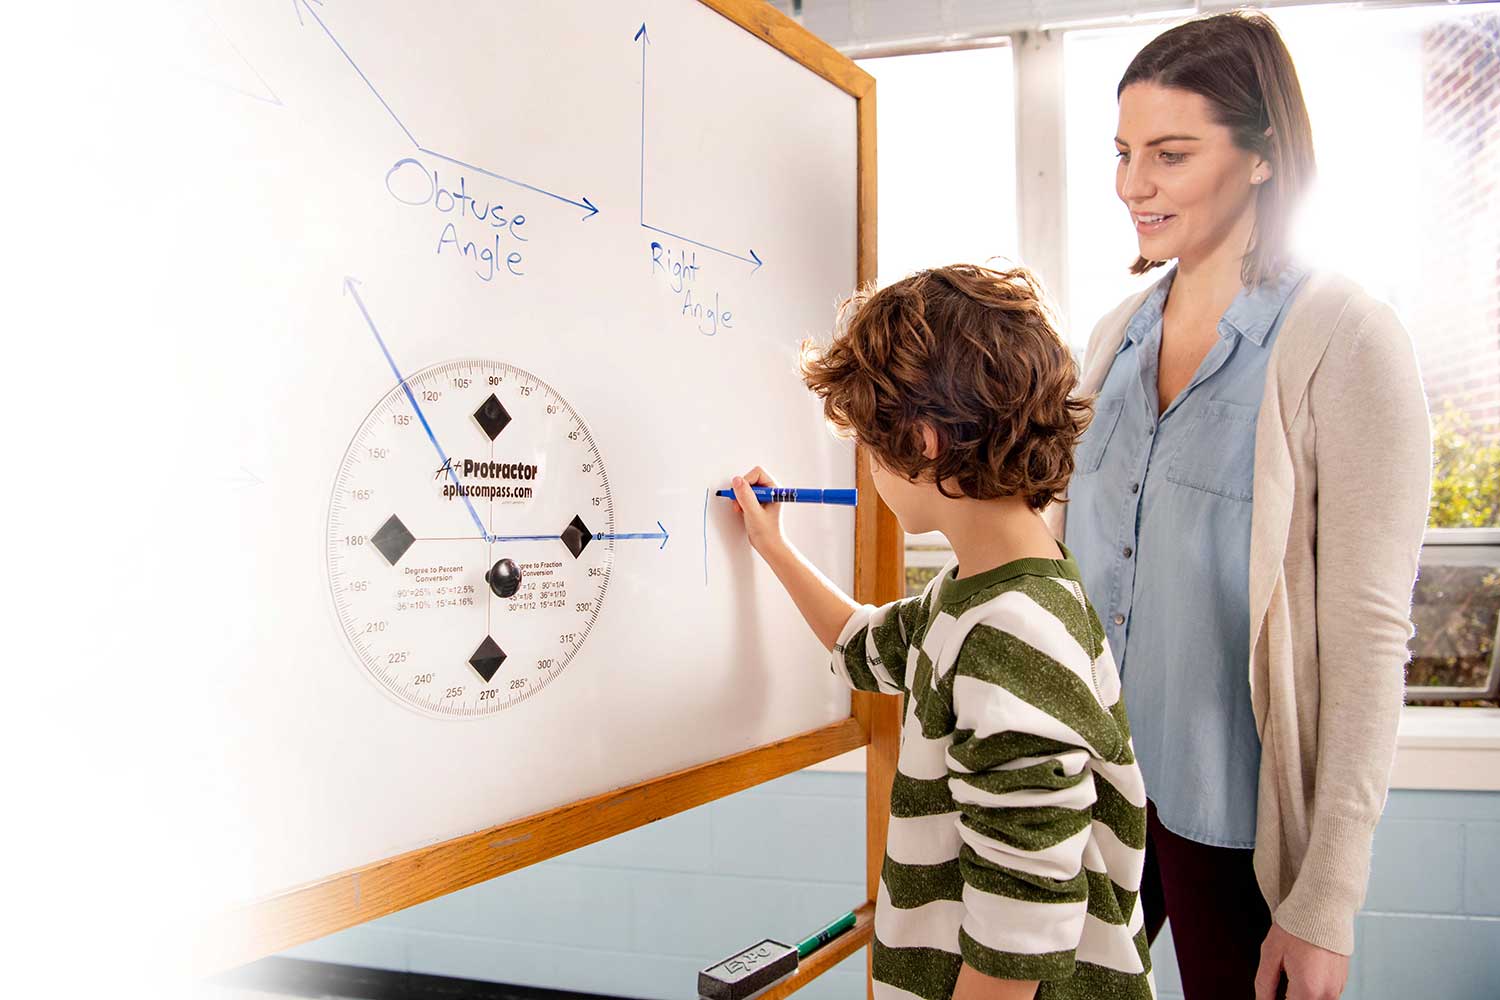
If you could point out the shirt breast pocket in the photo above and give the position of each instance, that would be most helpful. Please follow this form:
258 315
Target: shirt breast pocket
1090 452
1218 454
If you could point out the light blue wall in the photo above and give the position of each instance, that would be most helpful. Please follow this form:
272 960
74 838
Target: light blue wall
638 915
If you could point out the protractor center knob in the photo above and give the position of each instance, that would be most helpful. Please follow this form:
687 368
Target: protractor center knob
504 578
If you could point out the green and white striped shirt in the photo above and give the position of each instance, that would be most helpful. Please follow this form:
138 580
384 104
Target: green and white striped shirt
1018 815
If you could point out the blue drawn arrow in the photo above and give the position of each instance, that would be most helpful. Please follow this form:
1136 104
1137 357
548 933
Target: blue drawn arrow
754 258
638 36
349 284
350 289
585 203
662 534
644 38
591 210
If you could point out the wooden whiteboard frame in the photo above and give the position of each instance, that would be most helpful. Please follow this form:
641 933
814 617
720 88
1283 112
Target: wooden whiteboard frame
374 890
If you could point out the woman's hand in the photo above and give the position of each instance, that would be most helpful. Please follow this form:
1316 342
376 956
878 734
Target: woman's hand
762 521
1312 973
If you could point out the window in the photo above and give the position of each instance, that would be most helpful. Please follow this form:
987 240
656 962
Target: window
1456 609
947 172
947 180
1101 243
926 555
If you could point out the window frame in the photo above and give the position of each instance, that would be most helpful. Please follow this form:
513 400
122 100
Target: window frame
1440 538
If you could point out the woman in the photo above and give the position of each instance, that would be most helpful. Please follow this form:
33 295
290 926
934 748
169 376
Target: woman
1248 508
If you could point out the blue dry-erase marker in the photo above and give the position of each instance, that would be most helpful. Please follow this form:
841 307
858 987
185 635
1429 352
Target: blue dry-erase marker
794 494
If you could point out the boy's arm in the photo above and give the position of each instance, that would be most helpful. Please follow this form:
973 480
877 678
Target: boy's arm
826 608
869 644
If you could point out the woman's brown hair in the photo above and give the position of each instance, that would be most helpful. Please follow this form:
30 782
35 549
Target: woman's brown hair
1240 64
974 354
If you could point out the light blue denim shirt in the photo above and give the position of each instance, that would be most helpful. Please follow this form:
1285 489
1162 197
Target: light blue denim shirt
1159 520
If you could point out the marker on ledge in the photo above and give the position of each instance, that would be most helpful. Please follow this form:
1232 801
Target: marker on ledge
813 942
794 494
756 968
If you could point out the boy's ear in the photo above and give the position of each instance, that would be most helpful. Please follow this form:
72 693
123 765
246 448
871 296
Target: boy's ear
929 440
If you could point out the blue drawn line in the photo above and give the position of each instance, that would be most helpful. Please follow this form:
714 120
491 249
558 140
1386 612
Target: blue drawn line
662 534
645 39
273 99
361 73
585 203
349 284
297 9
230 88
754 258
638 36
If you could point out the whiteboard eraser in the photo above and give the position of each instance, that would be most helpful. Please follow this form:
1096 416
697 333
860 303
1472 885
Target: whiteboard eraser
751 971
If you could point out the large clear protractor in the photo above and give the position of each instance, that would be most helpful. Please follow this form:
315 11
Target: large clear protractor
470 538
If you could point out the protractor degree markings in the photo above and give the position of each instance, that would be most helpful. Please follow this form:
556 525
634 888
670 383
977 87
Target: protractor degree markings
440 419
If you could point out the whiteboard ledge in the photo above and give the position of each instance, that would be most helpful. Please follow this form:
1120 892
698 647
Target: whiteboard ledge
383 887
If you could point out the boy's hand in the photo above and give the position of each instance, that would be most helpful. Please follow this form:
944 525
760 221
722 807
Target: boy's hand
762 522
825 607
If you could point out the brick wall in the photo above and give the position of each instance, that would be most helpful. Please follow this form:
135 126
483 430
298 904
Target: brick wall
1456 321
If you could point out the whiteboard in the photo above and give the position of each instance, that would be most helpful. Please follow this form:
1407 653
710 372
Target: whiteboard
581 157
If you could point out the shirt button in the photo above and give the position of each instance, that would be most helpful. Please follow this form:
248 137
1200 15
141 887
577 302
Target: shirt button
1129 552
1151 432
1135 487
1119 619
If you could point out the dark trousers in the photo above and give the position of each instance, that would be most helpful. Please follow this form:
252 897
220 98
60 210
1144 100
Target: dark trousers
1218 915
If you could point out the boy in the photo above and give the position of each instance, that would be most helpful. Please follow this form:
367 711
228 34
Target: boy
1018 824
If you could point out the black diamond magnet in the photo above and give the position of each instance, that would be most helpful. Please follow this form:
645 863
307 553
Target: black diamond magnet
492 416
487 659
576 536
393 540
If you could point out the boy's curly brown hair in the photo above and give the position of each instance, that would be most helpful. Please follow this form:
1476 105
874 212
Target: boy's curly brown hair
973 353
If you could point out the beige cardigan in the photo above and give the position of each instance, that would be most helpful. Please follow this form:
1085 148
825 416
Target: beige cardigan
1342 475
